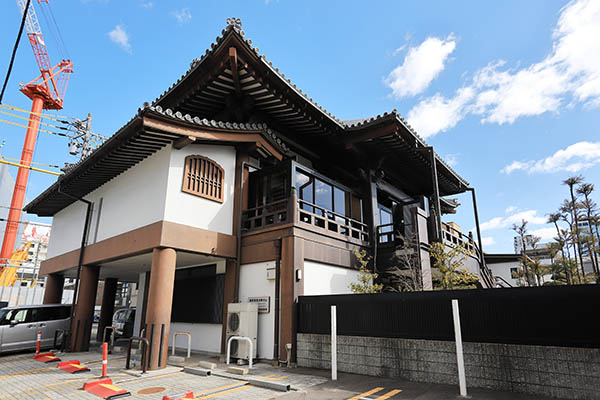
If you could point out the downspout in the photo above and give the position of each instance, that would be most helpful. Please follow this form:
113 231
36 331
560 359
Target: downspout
277 245
88 216
478 229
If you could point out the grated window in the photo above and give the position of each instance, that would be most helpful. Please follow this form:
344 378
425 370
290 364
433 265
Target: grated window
203 177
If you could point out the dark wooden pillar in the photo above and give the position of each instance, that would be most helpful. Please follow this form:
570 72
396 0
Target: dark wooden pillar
108 306
84 309
160 301
54 289
372 213
229 296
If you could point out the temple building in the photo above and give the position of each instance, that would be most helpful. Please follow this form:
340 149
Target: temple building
235 186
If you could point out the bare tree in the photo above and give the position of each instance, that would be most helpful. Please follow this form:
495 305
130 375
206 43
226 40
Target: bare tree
521 230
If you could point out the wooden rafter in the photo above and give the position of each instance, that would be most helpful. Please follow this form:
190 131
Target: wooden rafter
233 59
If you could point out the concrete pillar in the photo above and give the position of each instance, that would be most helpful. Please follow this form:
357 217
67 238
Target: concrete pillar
108 306
160 300
54 289
84 309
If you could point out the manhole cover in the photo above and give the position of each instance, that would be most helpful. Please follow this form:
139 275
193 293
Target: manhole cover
151 390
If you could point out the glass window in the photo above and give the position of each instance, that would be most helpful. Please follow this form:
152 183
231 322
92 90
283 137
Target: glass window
304 187
323 195
385 218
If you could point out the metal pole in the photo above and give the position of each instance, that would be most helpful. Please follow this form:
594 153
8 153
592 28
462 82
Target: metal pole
333 343
472 190
462 382
14 214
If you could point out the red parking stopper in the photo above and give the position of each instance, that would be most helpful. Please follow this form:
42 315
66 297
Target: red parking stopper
105 389
72 367
187 395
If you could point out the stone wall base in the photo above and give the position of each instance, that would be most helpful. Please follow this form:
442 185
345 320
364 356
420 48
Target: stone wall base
562 372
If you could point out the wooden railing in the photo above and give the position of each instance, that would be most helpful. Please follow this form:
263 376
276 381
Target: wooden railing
331 221
266 215
454 237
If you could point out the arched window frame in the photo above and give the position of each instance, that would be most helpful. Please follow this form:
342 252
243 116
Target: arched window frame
203 177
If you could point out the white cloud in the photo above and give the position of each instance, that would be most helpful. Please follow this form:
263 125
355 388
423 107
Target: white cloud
568 74
510 209
422 64
544 233
120 37
488 241
147 4
438 114
451 160
182 16
504 222
574 158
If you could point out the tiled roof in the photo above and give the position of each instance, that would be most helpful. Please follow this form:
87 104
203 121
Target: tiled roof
211 123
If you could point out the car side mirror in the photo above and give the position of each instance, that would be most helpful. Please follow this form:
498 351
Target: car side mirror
13 323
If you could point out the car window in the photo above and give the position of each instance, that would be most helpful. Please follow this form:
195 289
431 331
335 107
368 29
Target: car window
3 317
45 314
17 315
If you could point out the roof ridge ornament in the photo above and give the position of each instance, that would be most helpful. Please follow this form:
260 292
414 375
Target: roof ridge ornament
235 24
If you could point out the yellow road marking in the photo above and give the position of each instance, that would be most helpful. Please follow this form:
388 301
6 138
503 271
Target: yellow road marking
357 397
278 378
31 371
266 376
219 388
210 396
389 394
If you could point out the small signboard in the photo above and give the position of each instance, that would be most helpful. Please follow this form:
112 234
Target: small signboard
263 302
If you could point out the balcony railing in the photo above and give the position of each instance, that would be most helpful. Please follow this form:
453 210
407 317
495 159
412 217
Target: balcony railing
301 212
271 214
332 222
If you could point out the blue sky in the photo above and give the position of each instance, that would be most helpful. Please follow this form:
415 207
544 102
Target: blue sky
508 92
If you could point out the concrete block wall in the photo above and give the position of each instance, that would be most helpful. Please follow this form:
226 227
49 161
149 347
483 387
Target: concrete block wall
561 372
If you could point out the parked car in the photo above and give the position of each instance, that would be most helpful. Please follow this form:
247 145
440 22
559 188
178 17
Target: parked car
123 321
19 325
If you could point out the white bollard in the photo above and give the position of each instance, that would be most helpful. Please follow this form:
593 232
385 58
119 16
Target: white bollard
459 350
333 343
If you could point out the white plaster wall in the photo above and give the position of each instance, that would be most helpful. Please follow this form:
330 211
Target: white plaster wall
131 200
205 337
185 208
503 270
322 279
254 283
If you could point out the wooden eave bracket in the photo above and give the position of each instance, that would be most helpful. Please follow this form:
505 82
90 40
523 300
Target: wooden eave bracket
183 141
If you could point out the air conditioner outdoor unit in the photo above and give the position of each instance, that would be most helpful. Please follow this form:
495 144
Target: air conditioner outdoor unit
242 320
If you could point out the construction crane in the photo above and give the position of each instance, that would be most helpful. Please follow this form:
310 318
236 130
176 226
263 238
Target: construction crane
46 92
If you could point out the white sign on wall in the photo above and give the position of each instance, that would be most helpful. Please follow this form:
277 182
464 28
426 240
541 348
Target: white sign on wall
263 302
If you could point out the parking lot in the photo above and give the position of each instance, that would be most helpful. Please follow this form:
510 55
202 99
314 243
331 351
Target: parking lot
21 377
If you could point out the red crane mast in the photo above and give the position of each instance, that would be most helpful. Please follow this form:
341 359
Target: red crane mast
47 92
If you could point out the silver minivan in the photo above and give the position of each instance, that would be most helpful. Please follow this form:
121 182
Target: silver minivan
19 325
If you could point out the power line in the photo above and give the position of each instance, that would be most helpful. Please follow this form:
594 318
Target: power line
29 119
14 52
40 129
33 162
54 117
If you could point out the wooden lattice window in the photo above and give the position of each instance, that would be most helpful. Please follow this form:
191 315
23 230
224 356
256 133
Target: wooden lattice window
203 177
